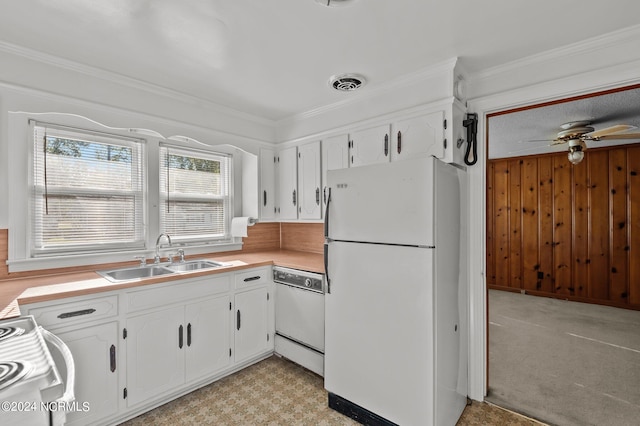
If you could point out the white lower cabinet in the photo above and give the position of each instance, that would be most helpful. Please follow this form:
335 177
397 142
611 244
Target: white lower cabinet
252 335
89 327
140 347
94 352
186 333
208 337
155 362
171 347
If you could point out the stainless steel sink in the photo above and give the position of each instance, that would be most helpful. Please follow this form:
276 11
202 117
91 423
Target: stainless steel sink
137 272
128 274
193 265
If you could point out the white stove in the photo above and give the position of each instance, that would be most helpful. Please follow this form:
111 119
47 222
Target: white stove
31 389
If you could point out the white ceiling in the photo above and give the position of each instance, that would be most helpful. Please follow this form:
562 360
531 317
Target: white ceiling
273 58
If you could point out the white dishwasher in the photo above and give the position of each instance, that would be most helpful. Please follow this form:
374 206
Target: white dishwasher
300 317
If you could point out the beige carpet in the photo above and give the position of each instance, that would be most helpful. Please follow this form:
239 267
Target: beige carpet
279 392
565 363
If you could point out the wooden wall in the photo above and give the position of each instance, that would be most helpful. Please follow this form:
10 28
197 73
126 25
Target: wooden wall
568 231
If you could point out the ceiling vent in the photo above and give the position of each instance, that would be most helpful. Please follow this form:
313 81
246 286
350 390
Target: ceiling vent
346 82
335 3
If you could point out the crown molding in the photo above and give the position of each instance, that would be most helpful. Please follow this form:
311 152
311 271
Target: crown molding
552 56
123 80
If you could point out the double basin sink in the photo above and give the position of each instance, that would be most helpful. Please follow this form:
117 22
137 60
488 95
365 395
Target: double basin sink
153 270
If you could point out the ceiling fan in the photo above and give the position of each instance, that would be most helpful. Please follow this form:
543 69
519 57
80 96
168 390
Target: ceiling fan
577 133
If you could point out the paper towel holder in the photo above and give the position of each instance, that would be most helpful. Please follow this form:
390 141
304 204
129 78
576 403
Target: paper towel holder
252 221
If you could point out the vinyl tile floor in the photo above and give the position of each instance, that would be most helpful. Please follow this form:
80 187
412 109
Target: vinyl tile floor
276 391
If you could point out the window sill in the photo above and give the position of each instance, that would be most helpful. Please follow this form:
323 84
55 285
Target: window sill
56 262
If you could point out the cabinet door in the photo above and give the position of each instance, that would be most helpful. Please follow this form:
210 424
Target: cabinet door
287 183
419 137
251 323
208 339
335 155
370 146
267 184
309 181
155 361
96 373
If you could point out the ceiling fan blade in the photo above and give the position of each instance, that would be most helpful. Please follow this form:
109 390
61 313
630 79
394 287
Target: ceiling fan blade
557 142
608 131
620 136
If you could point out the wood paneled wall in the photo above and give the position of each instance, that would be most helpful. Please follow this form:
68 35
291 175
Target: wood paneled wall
567 231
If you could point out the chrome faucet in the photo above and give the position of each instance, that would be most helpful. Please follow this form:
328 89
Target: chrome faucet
156 259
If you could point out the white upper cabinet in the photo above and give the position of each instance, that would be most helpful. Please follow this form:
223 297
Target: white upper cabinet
370 146
287 178
309 172
419 136
335 155
267 184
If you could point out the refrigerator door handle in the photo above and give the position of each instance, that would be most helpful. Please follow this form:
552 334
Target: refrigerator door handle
326 267
326 215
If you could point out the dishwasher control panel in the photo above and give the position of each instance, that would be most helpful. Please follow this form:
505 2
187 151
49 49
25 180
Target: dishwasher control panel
297 278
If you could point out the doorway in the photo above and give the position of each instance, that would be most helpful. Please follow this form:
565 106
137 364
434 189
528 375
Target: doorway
567 232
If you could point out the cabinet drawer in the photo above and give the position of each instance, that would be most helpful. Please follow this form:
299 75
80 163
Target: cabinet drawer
253 277
176 291
58 315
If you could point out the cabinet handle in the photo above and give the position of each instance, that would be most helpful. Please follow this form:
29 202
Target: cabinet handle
257 277
189 334
386 144
76 313
238 319
294 197
399 141
112 358
318 196
180 343
265 198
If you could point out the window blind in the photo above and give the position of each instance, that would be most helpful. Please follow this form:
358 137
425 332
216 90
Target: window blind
194 194
88 191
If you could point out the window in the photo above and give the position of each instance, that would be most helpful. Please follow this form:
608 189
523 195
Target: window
194 195
88 191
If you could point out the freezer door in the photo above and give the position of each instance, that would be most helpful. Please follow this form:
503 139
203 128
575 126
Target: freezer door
379 330
386 203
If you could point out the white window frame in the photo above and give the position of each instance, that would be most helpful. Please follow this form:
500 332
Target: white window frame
226 197
20 172
42 193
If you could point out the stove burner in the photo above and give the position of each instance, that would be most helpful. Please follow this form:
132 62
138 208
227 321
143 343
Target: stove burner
12 371
7 332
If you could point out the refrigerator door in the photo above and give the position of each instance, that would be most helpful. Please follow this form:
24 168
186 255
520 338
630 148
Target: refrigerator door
387 203
379 329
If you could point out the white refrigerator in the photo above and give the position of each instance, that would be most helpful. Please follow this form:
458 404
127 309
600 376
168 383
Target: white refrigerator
395 310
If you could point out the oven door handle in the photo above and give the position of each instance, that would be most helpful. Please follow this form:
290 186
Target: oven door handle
69 384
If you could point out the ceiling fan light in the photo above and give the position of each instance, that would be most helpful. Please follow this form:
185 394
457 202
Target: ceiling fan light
576 157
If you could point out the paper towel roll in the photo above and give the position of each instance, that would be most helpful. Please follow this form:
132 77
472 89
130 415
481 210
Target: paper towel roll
239 226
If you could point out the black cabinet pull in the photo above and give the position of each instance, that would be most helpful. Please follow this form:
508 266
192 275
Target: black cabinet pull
76 313
112 358
318 196
294 197
265 198
180 343
249 279
386 144
189 334
399 141
238 319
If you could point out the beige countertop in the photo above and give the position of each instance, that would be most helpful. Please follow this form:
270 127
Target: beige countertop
21 291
